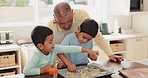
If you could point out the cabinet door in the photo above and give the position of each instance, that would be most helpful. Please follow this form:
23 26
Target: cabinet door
14 65
137 49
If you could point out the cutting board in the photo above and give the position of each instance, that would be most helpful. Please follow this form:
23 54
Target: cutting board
135 73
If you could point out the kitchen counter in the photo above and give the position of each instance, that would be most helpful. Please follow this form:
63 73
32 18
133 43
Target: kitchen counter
106 63
145 61
118 67
124 36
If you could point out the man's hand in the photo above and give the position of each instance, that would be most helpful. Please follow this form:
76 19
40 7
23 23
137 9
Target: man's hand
115 58
93 55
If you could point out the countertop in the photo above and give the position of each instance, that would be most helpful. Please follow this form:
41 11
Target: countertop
115 66
107 63
124 36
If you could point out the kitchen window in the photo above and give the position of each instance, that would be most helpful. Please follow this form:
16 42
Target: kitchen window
32 12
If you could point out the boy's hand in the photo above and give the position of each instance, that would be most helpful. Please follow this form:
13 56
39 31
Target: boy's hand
61 65
72 67
93 55
46 68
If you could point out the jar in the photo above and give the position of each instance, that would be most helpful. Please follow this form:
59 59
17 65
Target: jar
54 72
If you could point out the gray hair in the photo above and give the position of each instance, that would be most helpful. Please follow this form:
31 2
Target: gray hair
61 9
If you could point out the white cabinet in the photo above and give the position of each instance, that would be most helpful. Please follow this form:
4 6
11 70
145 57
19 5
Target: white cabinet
135 45
119 47
10 61
137 49
122 7
121 38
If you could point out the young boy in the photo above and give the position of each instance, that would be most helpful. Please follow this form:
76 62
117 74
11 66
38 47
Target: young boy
45 56
86 32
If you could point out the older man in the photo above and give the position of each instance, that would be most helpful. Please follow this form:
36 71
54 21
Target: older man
66 20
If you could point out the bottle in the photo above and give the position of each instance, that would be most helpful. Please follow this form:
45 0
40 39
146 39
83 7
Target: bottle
120 30
116 27
54 72
101 22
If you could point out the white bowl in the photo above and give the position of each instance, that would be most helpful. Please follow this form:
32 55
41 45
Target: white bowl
126 64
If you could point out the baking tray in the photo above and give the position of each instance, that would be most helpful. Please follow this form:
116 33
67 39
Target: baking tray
92 70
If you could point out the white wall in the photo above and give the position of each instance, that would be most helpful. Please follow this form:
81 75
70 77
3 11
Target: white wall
140 20
124 20
19 31
140 23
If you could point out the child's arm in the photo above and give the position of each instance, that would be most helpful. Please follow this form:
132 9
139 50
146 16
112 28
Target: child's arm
45 69
32 67
75 49
93 55
68 63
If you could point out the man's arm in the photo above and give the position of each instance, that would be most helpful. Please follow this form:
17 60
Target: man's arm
81 14
101 42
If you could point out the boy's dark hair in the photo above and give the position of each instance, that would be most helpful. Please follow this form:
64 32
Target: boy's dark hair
90 27
39 34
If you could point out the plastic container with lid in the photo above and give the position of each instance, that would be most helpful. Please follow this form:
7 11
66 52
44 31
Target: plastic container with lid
54 72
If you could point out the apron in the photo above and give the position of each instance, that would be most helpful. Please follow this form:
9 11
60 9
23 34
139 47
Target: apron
59 35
